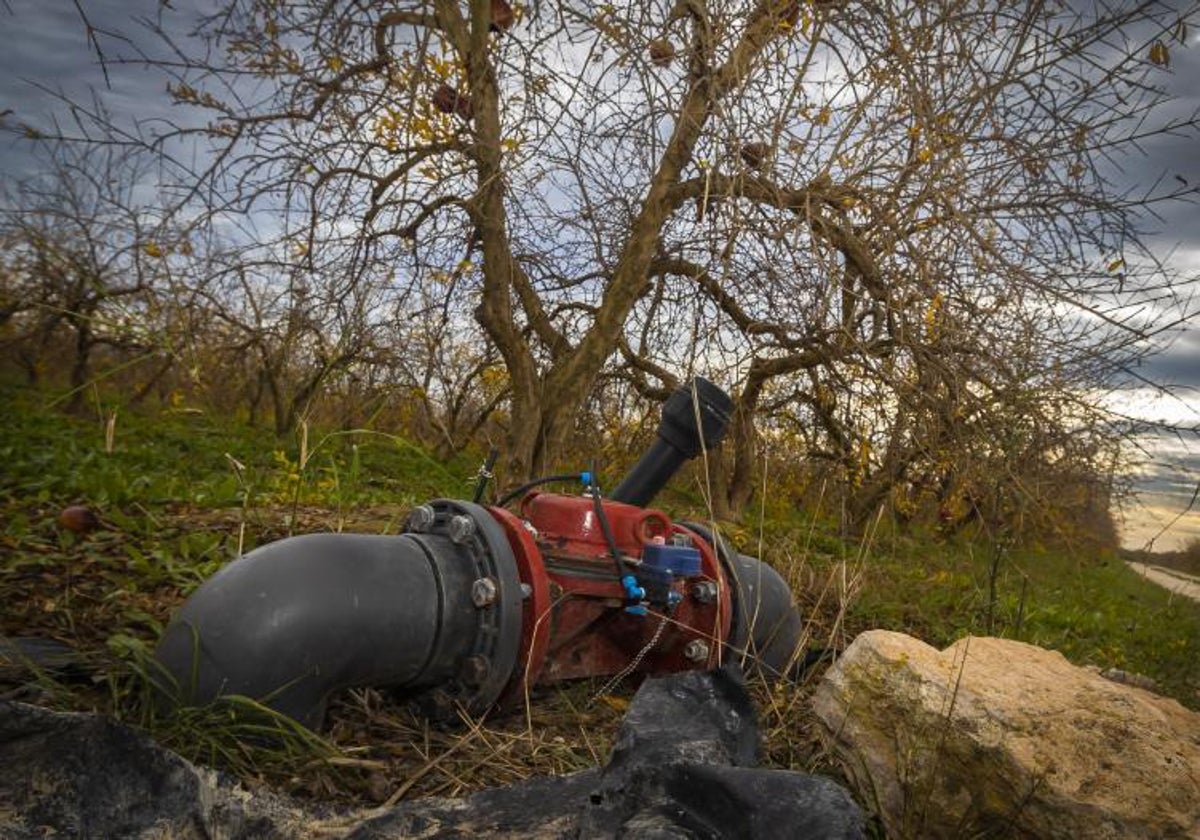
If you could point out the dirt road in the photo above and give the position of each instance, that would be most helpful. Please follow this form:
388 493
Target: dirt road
1178 582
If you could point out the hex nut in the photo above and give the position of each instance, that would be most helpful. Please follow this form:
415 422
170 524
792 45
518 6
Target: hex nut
462 528
483 592
421 519
474 670
704 591
695 651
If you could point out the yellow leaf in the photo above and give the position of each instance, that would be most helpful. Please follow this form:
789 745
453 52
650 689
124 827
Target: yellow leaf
1116 265
925 154
823 116
151 249
617 704
931 314
1159 54
334 63
863 466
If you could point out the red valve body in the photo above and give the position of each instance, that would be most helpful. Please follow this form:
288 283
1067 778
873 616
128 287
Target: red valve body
575 623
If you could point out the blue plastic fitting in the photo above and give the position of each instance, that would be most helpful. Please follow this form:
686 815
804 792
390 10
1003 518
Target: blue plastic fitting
586 478
632 591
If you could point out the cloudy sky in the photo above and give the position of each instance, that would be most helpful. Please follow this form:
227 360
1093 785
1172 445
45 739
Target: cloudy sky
46 60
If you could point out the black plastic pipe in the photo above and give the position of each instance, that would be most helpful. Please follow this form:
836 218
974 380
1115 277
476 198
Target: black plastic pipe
767 626
434 615
694 418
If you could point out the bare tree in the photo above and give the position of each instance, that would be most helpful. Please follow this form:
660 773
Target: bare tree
931 210
82 257
846 207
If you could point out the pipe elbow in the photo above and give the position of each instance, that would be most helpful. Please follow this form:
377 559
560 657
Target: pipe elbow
767 627
767 623
296 620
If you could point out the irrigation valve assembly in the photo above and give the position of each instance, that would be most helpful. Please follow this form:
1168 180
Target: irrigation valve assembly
474 604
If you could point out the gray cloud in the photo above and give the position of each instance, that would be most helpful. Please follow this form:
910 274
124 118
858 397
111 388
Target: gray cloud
47 61
1167 158
1178 365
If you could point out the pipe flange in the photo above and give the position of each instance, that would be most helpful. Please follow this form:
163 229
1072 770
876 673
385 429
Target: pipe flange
495 598
739 632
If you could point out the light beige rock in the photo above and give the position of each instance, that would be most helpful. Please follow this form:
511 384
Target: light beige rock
997 738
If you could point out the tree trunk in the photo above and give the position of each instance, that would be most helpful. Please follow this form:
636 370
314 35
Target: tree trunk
734 468
79 365
256 395
278 403
544 405
155 379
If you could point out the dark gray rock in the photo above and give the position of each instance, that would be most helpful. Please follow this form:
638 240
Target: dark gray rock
77 775
546 807
683 766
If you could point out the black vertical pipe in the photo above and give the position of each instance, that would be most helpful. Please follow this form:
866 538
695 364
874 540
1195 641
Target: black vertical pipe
694 418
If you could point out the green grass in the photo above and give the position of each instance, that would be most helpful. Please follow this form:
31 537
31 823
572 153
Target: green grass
181 493
189 457
1085 602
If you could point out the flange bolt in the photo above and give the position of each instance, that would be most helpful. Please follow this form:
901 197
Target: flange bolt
475 669
704 591
483 592
421 518
462 528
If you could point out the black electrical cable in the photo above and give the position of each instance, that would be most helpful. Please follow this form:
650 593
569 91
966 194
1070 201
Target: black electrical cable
485 475
537 482
606 528
622 567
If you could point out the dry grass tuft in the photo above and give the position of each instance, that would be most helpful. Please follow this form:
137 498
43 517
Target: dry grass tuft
400 755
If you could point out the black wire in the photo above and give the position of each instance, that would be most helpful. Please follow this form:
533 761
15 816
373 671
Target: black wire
606 528
537 482
485 475
622 567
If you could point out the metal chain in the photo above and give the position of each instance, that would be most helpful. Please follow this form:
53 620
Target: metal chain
634 663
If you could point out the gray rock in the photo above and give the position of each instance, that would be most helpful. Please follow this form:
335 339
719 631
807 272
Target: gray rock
997 738
546 807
